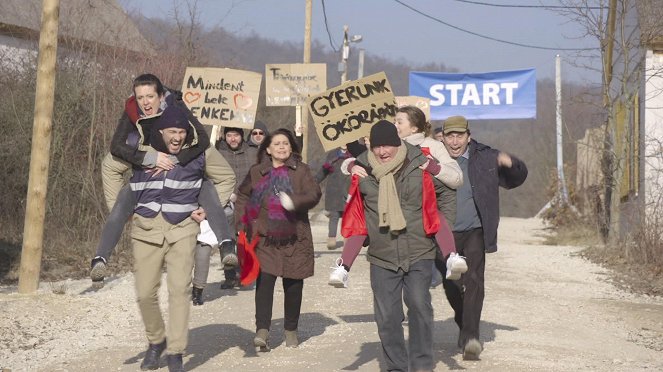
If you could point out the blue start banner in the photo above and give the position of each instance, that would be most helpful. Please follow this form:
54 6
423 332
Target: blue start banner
490 95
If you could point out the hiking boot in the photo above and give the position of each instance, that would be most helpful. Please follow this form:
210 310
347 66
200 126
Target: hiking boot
229 258
175 363
197 296
291 339
260 340
339 276
152 355
331 243
230 283
456 265
472 349
98 271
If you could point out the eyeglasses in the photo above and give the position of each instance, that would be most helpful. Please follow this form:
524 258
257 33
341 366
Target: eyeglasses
258 133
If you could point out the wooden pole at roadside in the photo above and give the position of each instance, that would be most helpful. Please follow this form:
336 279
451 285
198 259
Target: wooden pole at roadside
33 228
303 112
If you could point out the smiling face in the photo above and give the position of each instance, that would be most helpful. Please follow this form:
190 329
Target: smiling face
174 139
456 143
404 126
384 153
257 136
279 149
148 99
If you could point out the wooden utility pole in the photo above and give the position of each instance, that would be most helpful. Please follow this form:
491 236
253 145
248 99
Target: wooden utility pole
302 111
33 229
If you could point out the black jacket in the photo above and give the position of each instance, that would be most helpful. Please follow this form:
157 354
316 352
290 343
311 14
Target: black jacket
485 179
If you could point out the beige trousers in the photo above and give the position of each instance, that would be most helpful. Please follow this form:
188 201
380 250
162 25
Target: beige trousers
149 258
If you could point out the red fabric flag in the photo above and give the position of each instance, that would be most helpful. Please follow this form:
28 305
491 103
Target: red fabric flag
353 221
248 260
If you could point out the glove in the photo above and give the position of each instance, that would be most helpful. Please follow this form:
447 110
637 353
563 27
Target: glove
286 202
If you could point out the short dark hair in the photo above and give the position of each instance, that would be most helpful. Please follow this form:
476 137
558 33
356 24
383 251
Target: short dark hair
149 79
262 151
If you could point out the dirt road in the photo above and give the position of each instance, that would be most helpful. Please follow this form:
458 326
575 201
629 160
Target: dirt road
546 309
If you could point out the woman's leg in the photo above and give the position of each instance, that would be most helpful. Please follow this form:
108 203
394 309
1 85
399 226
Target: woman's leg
292 289
201 265
264 300
118 217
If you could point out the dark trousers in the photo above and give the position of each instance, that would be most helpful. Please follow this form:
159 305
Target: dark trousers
292 289
466 294
390 289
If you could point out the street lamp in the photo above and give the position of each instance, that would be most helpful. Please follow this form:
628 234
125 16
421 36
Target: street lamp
343 66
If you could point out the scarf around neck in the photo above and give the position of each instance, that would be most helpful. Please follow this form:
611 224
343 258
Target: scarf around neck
281 226
390 213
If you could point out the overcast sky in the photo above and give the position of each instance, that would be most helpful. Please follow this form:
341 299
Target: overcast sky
391 29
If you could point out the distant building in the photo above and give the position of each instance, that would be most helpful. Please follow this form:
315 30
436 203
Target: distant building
84 26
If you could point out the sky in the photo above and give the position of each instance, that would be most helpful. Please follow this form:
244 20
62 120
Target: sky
417 31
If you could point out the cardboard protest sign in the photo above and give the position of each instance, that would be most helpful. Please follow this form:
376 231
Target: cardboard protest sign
347 112
222 96
291 84
422 103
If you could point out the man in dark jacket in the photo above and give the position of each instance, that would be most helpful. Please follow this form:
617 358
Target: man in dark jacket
336 190
241 157
400 254
477 217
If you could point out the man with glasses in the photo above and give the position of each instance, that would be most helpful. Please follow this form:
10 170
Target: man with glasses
258 134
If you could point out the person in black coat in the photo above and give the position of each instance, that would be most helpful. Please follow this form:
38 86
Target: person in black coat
485 170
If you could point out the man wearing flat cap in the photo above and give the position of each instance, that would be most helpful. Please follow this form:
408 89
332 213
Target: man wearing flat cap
485 170
400 253
164 233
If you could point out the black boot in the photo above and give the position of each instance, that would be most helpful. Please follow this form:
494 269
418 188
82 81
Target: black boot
197 296
98 271
228 256
152 355
175 363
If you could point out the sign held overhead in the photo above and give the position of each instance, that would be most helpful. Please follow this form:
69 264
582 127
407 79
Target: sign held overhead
291 84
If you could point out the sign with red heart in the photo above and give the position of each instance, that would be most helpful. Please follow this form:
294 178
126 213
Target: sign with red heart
222 96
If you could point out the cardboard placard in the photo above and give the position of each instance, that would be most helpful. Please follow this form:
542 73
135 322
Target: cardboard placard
291 84
422 103
222 96
347 112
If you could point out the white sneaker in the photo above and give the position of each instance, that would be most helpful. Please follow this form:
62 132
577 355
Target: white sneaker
339 277
456 266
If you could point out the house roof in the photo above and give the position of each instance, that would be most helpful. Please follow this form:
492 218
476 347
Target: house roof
650 17
95 21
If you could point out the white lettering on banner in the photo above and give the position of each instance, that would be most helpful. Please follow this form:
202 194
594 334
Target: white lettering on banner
469 94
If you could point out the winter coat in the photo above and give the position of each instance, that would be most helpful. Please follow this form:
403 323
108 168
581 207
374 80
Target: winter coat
336 189
240 160
400 251
485 179
291 260
450 173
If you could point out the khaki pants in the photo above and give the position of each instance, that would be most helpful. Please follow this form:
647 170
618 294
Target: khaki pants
149 259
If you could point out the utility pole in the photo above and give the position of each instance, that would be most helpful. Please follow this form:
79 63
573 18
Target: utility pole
561 181
345 53
360 65
35 212
301 112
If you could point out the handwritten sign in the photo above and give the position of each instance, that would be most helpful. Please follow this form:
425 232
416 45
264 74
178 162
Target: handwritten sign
422 103
347 112
222 96
291 84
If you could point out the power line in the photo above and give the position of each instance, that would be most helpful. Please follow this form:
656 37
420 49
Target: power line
488 37
324 13
529 6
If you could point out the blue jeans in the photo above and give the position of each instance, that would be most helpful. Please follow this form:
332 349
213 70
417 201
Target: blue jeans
390 289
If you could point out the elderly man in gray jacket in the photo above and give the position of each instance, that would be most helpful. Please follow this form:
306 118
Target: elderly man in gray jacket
400 253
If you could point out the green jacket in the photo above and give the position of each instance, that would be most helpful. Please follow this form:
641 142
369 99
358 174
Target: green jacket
399 251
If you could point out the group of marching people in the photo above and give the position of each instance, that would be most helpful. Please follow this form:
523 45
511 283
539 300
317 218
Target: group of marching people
416 202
